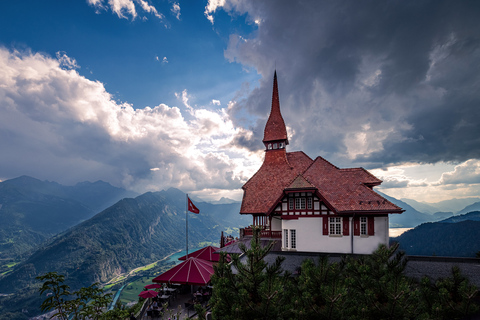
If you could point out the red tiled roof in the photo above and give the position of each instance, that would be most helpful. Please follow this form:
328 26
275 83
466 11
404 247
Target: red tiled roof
266 186
344 190
300 183
275 128
348 190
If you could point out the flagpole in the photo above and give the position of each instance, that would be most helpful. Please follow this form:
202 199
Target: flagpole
186 222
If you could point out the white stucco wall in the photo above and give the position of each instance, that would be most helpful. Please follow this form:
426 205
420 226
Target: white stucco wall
276 224
309 237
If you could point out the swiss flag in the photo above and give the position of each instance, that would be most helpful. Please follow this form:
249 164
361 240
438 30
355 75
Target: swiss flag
191 207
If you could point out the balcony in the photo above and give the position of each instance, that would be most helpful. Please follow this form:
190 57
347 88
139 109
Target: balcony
263 234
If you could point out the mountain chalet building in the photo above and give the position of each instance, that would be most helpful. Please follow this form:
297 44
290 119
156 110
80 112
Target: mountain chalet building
312 205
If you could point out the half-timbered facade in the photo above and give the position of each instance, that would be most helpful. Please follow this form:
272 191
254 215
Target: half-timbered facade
310 204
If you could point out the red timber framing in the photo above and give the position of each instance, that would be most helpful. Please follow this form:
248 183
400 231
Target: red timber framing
301 203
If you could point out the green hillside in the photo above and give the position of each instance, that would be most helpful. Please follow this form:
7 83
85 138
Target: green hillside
454 237
32 211
131 233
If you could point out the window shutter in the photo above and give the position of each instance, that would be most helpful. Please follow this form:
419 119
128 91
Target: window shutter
325 226
356 226
371 226
346 228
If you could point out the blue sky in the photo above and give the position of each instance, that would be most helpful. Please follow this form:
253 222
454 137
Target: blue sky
148 94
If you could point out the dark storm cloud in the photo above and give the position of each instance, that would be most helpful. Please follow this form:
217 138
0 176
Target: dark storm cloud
373 82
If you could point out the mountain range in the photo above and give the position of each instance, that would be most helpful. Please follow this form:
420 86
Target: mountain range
131 233
457 236
32 211
93 231
451 205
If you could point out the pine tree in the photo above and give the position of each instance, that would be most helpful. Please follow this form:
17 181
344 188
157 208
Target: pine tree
256 291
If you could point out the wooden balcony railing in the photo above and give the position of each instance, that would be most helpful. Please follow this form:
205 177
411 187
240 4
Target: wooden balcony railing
264 233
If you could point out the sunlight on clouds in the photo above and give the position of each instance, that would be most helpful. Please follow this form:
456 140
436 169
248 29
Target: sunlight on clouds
366 141
431 182
70 129
465 173
124 7
211 7
176 10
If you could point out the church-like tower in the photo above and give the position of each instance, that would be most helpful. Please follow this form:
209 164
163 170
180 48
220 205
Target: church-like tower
312 205
275 133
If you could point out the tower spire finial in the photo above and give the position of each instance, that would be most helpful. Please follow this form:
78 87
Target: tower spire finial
275 129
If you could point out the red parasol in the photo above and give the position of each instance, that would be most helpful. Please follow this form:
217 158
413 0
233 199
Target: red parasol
148 294
207 253
192 271
153 286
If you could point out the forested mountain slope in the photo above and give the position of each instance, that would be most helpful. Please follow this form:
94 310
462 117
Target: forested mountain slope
131 233
32 210
457 236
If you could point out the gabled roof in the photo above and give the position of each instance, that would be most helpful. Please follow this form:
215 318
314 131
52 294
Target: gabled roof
344 190
300 183
265 188
348 190
275 128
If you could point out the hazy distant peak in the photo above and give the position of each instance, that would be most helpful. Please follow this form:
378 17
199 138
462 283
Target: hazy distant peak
97 183
224 200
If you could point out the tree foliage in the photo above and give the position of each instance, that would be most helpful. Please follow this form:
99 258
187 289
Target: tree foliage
367 287
86 303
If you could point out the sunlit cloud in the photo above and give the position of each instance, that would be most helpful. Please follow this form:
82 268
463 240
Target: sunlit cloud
211 7
125 8
176 10
64 127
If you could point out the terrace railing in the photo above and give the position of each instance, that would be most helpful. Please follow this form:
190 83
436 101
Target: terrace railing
264 233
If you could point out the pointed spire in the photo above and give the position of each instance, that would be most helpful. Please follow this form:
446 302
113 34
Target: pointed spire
275 130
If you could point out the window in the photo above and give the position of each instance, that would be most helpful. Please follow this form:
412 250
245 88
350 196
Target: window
285 235
275 146
269 146
293 239
363 225
309 203
299 203
281 145
335 225
290 204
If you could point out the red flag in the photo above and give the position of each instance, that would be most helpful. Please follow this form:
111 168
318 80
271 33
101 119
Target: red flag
191 207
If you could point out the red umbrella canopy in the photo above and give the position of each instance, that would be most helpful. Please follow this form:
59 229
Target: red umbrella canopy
206 253
148 294
153 286
192 271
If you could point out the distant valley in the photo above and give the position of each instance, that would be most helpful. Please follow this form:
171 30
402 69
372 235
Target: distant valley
130 233
94 231
457 236
417 213
32 211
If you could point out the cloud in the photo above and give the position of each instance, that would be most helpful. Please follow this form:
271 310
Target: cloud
60 126
215 102
367 83
176 10
125 8
465 173
211 7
